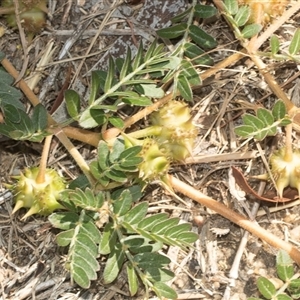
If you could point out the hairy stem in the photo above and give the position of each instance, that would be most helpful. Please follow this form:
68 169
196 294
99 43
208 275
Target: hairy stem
43 162
236 218
288 156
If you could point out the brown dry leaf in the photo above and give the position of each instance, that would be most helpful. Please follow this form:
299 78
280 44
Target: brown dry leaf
271 196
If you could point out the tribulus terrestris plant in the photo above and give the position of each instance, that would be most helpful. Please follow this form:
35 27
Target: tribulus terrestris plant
101 213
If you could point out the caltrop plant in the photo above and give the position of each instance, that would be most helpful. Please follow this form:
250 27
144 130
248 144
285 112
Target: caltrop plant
285 161
102 217
286 286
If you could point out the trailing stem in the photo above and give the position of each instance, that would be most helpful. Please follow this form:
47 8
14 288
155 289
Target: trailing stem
234 217
44 158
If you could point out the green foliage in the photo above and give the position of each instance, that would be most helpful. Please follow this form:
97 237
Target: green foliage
19 126
295 43
238 16
265 122
292 53
8 93
290 288
115 225
104 220
190 52
115 165
126 81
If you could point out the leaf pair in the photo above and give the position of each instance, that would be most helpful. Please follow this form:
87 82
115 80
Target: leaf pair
293 49
265 122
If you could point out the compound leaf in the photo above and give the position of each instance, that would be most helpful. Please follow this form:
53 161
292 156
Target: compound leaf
83 251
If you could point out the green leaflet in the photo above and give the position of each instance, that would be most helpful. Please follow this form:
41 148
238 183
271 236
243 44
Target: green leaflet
242 16
163 290
251 30
172 32
127 81
274 43
295 43
201 38
284 266
231 6
81 259
285 271
132 279
73 103
108 240
266 287
123 204
113 264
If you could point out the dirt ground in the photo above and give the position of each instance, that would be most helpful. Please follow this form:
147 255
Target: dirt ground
32 265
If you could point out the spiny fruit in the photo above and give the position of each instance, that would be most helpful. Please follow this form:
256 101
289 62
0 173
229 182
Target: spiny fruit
179 133
286 170
263 11
41 198
155 163
32 14
170 138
